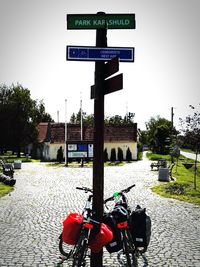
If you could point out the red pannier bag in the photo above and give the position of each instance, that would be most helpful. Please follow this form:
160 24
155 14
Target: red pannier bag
71 228
103 237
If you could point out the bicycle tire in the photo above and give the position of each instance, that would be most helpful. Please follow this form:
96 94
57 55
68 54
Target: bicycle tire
134 252
129 249
80 249
63 251
126 248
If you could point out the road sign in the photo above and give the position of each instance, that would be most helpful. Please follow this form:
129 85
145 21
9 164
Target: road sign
99 21
110 85
113 84
89 53
79 149
111 67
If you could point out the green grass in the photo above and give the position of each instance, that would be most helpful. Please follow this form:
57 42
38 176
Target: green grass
152 156
10 158
183 186
140 155
4 189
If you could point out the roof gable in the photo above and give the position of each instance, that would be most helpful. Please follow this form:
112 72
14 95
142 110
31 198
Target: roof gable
42 131
111 132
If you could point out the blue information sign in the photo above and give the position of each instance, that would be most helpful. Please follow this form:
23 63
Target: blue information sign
85 53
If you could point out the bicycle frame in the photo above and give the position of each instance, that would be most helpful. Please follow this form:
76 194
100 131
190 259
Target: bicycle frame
123 227
77 253
88 235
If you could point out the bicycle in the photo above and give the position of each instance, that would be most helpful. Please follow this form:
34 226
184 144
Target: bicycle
82 232
118 220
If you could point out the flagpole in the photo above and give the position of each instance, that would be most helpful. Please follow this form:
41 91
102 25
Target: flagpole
65 132
81 118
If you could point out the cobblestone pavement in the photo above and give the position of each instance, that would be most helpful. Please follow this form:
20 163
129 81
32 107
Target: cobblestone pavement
31 216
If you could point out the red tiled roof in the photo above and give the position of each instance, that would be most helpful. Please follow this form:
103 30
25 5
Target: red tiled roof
111 132
42 130
120 132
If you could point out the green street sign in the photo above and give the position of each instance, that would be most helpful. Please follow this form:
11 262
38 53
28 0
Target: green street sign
96 21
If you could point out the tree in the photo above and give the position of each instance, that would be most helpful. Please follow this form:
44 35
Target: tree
114 120
40 114
113 155
73 118
191 130
128 155
76 118
89 119
161 138
60 155
158 133
117 119
143 136
120 154
19 117
105 155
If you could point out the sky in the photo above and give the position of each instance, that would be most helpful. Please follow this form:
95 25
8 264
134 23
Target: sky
165 73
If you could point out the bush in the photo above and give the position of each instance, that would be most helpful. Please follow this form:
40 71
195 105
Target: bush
176 189
113 155
120 154
128 155
105 155
60 155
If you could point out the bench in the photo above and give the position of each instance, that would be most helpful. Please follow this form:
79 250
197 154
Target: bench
7 168
160 163
7 180
170 168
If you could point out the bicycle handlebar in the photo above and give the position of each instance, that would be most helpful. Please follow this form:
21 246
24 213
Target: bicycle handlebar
86 189
126 190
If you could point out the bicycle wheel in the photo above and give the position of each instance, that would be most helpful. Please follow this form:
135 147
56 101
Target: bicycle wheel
127 256
80 250
65 249
134 251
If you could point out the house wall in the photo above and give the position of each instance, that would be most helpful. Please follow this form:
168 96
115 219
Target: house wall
46 151
51 151
124 146
43 151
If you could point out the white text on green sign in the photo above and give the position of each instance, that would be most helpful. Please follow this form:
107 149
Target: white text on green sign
110 21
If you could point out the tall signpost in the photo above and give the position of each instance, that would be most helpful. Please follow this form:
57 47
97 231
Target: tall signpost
101 54
98 163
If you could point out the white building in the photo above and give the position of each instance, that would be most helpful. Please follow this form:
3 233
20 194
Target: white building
52 137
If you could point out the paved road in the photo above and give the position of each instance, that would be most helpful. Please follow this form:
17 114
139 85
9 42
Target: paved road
31 216
190 155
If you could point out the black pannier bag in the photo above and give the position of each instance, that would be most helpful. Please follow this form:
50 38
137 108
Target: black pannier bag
116 243
140 227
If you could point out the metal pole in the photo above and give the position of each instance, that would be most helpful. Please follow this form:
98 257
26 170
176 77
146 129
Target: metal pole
98 163
195 171
81 127
65 132
172 117
81 119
